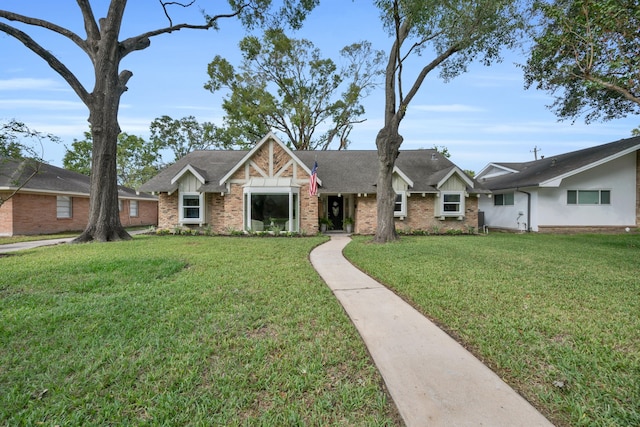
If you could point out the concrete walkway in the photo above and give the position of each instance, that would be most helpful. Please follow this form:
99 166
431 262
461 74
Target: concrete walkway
433 380
12 247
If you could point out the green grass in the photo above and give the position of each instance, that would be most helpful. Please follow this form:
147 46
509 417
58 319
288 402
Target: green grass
556 316
180 331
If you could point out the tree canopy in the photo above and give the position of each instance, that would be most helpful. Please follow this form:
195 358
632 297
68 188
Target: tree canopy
182 136
441 36
137 160
101 43
285 84
586 54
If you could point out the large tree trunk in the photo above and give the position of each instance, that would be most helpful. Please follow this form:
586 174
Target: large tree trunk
104 218
388 142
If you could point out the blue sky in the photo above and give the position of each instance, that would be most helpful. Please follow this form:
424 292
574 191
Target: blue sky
482 116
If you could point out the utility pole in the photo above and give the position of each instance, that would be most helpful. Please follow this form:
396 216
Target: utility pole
535 151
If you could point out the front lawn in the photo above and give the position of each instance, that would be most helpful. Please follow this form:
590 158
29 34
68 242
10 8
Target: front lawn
556 316
180 331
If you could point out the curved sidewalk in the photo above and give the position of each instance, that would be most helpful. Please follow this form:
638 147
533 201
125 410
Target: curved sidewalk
433 380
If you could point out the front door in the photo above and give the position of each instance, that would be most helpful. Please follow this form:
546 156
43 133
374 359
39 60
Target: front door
336 211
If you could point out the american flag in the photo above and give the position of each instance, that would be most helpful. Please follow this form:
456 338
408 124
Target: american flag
313 180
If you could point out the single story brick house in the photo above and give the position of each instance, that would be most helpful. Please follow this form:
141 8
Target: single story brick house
267 188
56 200
594 189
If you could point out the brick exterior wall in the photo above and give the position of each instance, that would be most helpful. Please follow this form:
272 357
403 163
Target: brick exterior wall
6 215
28 214
168 210
420 215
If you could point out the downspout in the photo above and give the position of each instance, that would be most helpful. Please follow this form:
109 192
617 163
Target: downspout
528 208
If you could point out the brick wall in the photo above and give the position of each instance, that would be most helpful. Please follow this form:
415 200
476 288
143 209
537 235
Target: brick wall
168 210
420 215
366 215
6 216
147 214
37 214
233 209
27 214
309 211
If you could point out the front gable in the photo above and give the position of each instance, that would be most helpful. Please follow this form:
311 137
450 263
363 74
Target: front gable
455 180
270 158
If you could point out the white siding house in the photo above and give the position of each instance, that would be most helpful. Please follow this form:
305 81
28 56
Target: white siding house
595 188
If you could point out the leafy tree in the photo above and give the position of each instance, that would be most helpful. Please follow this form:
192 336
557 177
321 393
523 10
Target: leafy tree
137 160
285 84
18 143
450 34
586 54
442 150
102 45
182 136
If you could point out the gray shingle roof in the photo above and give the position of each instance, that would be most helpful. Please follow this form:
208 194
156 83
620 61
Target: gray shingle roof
532 174
348 171
51 179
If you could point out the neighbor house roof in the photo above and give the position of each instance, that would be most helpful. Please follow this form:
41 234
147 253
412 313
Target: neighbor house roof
549 171
345 171
51 179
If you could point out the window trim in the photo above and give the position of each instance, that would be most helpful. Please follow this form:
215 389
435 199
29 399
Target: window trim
403 204
461 203
200 218
504 199
134 211
576 197
293 194
66 208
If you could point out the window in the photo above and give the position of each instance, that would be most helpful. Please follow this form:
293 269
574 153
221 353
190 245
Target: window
452 204
588 197
120 205
133 208
506 199
63 207
191 208
400 207
271 209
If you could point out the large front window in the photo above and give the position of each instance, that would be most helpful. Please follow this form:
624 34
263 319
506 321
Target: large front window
191 208
271 209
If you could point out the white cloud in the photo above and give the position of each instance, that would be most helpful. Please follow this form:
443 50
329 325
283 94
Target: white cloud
448 108
32 84
40 104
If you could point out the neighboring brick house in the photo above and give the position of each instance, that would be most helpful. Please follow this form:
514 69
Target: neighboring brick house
55 200
594 189
268 188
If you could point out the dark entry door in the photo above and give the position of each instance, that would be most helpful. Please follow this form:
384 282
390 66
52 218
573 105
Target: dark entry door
335 211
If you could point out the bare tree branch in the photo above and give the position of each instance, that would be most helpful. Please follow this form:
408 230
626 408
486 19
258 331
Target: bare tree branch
90 24
53 62
142 41
46 24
